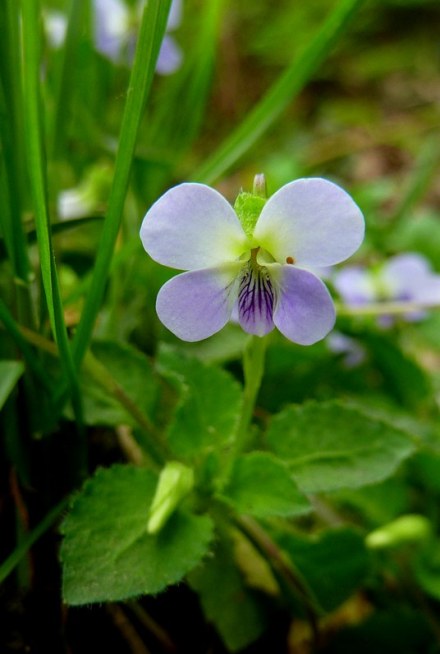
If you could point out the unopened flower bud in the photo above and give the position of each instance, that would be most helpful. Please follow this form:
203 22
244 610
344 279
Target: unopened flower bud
175 482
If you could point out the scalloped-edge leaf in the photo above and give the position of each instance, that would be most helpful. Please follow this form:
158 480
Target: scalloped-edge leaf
330 446
108 555
262 486
208 409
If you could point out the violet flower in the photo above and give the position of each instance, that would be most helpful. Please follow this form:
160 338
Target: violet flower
351 351
404 278
253 268
116 27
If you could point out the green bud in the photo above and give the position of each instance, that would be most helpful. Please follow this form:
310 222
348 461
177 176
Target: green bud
409 528
175 482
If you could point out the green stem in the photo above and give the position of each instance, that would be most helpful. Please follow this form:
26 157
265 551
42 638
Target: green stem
384 308
253 370
288 577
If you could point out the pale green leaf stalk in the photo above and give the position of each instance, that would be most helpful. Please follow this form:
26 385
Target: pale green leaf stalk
175 482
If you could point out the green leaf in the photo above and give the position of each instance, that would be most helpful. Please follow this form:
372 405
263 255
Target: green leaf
262 486
10 373
330 446
334 564
226 601
132 372
208 410
107 553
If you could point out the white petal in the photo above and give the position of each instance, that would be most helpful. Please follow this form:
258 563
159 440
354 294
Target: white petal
197 304
192 226
311 221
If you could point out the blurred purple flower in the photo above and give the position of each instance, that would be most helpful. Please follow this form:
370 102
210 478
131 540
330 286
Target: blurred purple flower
404 278
351 351
116 32
254 273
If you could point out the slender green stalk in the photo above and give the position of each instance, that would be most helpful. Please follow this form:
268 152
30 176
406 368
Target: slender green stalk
15 557
287 576
31 359
150 37
154 448
97 371
384 308
253 370
280 95
38 183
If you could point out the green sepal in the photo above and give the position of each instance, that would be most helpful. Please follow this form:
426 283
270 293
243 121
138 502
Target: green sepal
248 208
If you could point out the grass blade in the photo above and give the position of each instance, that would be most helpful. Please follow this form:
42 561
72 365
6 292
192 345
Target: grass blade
15 557
150 37
38 183
283 91
11 138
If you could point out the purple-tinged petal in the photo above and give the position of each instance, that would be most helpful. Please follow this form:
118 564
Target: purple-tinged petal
192 226
111 27
175 15
354 353
405 276
304 312
170 57
355 285
310 222
256 299
430 292
197 304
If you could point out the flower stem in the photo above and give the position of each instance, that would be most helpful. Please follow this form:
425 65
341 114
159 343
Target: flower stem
289 578
253 370
380 308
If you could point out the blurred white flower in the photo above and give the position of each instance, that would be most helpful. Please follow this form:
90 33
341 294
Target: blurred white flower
55 24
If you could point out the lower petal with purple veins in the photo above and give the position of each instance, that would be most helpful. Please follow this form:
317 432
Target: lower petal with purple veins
304 312
256 300
196 304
